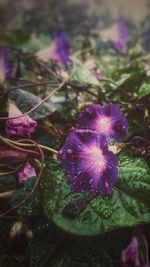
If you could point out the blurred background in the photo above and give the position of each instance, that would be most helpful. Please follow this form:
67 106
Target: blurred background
42 16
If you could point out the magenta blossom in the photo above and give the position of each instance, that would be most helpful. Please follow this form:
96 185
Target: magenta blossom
27 172
92 67
20 127
107 120
5 69
136 254
121 37
59 49
90 166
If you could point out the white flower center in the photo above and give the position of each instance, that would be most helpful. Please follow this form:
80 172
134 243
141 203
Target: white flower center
104 124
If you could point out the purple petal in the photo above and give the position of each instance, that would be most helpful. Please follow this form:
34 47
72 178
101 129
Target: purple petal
5 68
88 163
62 47
136 254
120 42
59 49
107 120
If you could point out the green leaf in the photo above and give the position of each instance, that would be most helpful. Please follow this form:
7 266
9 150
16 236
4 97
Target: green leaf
144 90
125 77
68 251
7 182
45 236
25 101
31 207
35 43
82 74
127 206
85 255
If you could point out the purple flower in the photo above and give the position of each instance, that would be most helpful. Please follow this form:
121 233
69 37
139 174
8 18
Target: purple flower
122 35
27 172
59 49
118 34
107 120
20 127
90 166
136 254
5 69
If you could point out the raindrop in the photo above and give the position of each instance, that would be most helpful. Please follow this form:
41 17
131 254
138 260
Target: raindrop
69 151
60 152
64 156
107 185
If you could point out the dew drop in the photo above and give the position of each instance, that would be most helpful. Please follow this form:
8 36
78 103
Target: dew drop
69 151
91 181
107 185
63 156
60 152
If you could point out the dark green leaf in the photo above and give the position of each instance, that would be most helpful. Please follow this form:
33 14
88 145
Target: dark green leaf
31 207
82 74
80 255
25 101
7 183
127 206
144 90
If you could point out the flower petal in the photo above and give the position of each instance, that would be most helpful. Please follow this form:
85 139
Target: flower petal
107 120
136 254
59 49
5 69
88 163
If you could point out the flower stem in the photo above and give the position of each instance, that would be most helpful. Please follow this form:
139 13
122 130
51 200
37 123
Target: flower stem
8 143
33 145
35 186
7 194
39 104
22 86
7 173
73 209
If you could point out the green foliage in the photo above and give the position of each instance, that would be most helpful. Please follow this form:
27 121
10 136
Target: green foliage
7 182
81 74
18 37
81 254
35 43
144 90
129 203
127 206
26 100
45 235
31 207
52 248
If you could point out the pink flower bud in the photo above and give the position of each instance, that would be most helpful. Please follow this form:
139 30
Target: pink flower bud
27 172
20 127
11 156
136 254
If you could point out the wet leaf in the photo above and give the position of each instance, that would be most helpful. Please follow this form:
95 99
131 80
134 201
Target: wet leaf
25 101
127 206
82 74
31 207
144 90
